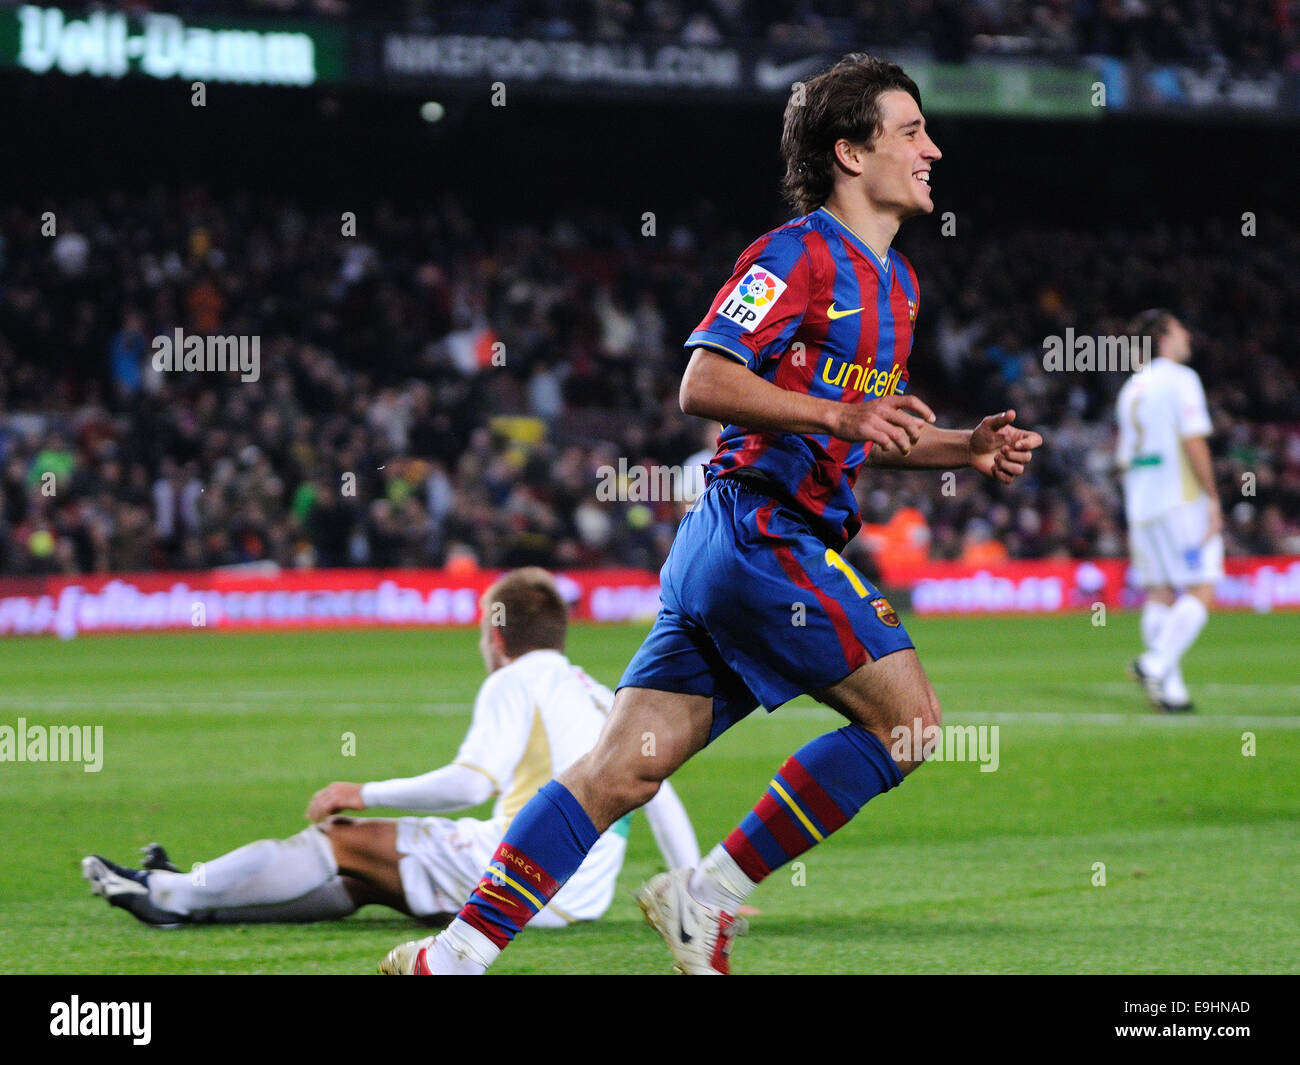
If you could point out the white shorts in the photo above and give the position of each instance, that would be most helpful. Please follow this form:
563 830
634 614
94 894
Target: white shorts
442 862
1172 549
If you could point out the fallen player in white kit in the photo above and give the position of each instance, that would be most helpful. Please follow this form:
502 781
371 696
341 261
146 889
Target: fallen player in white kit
533 717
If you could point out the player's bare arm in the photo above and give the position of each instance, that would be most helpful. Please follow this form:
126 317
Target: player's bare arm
1198 457
335 798
996 447
719 388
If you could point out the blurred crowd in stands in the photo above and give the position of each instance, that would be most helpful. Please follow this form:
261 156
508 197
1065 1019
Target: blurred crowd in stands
444 390
1254 34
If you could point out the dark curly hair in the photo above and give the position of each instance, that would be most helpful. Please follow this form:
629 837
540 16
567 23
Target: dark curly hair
840 102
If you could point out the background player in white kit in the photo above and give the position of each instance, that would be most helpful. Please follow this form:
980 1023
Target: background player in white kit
534 716
1171 503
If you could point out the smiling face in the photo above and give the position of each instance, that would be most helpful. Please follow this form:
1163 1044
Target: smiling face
896 172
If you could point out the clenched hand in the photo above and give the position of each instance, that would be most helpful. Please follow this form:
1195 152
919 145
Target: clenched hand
1000 449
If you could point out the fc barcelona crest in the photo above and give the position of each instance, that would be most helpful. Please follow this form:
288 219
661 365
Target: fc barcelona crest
885 612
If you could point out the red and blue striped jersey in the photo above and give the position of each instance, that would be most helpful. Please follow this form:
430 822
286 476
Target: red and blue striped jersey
810 308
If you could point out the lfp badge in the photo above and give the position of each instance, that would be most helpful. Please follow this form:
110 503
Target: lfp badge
751 299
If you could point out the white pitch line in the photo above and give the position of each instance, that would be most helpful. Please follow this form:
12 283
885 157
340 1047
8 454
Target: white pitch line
1117 688
1141 718
30 706
1123 688
187 696
1055 717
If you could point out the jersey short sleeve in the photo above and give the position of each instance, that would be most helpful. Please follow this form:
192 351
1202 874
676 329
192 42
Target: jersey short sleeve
755 314
498 733
1193 414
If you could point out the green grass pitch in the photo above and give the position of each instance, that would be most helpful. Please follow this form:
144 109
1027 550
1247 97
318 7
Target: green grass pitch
214 740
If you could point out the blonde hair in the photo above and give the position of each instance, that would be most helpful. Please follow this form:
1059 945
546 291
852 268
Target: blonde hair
531 611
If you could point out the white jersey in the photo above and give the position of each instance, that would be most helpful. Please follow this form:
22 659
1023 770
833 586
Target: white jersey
533 718
1158 408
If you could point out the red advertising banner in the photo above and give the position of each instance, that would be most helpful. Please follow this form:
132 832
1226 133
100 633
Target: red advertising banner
226 600
70 606
1045 586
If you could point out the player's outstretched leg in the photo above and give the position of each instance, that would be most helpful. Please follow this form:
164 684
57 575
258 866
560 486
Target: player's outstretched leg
552 834
817 791
294 879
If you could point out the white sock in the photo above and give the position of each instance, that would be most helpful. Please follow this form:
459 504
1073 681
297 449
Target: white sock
719 882
258 874
1182 625
461 950
1153 617
1174 690
328 902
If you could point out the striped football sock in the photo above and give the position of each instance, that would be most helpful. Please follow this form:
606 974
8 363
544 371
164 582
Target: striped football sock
544 846
820 787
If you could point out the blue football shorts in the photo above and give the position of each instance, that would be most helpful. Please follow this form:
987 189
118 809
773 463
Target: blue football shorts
757 609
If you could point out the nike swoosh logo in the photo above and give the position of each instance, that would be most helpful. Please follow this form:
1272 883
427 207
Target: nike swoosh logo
832 313
686 937
772 77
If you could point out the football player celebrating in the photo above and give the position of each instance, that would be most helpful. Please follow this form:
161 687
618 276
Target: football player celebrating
803 359
534 716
